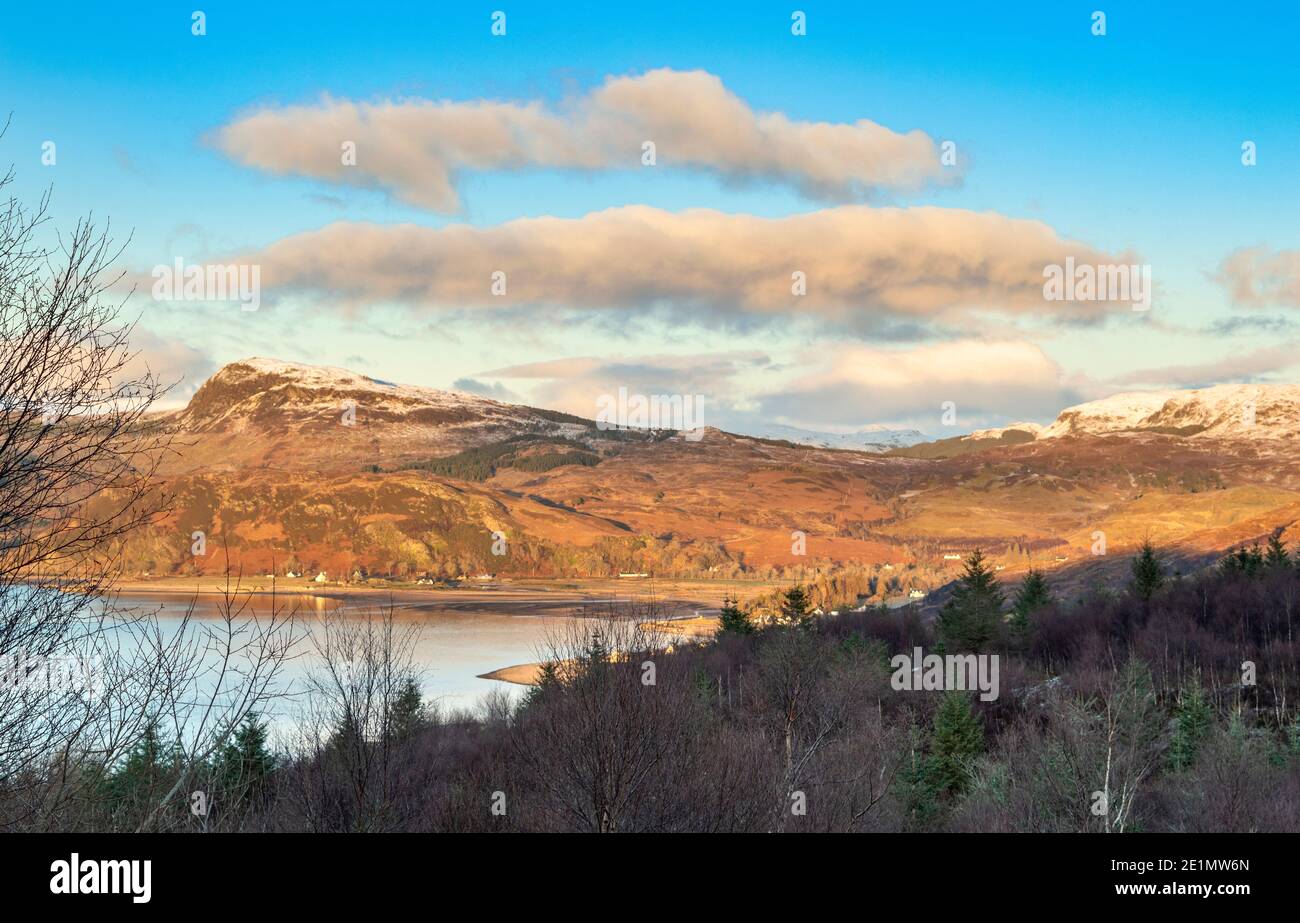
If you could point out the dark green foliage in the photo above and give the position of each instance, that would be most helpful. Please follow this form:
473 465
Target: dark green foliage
145 774
1193 721
972 619
1032 595
406 712
1248 562
481 463
1148 572
795 607
1276 556
915 788
245 758
733 619
549 460
928 783
548 683
957 739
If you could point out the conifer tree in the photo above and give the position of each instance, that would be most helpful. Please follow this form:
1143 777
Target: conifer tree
971 620
1192 721
1148 572
1277 556
733 619
245 758
407 712
1032 595
958 738
795 606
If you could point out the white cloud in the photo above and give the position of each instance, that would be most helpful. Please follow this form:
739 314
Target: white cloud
173 363
417 149
1258 278
858 262
989 382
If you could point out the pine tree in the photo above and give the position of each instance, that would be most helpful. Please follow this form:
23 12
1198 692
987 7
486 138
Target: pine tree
971 620
1248 562
146 769
795 606
1148 572
1277 557
1032 595
1192 721
733 619
916 791
407 713
547 682
958 738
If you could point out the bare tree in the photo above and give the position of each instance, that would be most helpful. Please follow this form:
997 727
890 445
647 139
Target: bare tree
601 745
82 678
354 723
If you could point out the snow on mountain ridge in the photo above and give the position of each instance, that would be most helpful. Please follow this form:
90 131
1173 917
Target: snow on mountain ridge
328 376
1034 429
1247 411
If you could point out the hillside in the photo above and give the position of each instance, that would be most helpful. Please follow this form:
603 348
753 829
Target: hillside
417 481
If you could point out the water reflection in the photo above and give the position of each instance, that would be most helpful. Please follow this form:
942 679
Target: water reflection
453 646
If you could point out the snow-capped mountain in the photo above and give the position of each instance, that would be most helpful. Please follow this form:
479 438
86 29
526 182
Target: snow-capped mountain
271 412
271 391
1237 411
1034 429
872 438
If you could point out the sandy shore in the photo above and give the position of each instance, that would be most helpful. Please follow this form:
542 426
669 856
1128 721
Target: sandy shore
526 674
522 674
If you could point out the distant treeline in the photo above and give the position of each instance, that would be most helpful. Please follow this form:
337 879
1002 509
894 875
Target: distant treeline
479 464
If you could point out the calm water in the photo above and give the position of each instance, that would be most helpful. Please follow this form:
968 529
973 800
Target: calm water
453 645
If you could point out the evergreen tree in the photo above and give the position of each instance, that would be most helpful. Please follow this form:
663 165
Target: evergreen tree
1277 557
958 738
1248 562
145 772
245 758
1192 722
1148 572
733 619
1032 595
916 791
795 606
971 620
547 682
407 713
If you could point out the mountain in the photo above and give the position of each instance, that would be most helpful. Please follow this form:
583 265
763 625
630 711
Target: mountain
1225 411
288 466
272 413
873 438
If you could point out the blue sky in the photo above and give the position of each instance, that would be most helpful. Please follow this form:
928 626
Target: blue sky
1127 142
